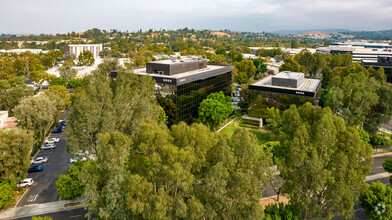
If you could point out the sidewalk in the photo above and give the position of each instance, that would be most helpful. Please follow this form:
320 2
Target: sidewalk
40 209
381 150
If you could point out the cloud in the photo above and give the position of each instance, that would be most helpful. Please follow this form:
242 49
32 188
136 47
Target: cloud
48 16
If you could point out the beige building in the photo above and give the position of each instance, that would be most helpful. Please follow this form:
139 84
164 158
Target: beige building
7 122
76 49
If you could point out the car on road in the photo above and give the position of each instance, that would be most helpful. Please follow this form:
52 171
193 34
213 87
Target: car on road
35 169
39 160
48 147
73 160
25 183
52 140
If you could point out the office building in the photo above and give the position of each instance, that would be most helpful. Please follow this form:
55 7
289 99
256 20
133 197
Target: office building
359 50
281 91
382 61
186 83
76 49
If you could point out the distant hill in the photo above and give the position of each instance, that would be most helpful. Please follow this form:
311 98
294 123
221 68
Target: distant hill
310 30
372 35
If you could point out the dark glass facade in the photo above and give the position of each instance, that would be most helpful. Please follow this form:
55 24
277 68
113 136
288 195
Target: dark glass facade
260 100
187 97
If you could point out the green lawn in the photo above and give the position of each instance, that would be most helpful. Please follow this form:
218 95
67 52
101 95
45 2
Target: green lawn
261 137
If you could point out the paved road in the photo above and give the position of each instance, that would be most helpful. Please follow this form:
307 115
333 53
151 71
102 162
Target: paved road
73 214
44 188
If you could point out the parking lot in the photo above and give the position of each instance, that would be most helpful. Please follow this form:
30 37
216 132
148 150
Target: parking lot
44 188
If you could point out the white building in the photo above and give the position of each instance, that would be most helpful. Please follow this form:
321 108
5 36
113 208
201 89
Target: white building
76 49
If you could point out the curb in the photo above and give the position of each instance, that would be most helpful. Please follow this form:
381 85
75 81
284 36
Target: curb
21 197
41 213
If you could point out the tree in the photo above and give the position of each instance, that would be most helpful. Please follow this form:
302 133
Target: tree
359 98
15 145
109 65
58 81
377 201
273 119
12 91
322 161
7 70
107 105
36 114
281 211
244 71
61 95
290 65
40 77
219 60
76 83
51 58
215 109
6 194
67 71
69 186
86 58
294 44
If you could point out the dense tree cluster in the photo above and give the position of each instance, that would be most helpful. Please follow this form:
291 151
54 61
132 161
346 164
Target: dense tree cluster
322 161
144 170
15 148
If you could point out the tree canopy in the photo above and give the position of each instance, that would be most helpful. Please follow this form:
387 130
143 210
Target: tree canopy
322 161
215 109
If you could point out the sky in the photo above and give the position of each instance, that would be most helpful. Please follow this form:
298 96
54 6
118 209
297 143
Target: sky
63 16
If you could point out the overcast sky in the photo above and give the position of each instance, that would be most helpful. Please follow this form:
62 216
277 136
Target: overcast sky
60 16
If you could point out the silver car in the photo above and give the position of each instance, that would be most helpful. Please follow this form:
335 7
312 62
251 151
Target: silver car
48 147
39 160
52 140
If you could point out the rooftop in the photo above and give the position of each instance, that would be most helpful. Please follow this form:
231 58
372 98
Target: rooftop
288 75
142 71
308 85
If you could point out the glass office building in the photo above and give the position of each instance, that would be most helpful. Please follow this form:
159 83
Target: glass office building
182 85
281 91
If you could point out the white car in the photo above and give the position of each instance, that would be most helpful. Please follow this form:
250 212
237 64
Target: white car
48 147
25 183
73 160
39 160
52 140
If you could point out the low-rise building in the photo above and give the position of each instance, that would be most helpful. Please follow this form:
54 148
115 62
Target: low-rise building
76 49
187 82
359 50
281 91
7 122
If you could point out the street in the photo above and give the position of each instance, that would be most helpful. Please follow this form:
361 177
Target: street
44 188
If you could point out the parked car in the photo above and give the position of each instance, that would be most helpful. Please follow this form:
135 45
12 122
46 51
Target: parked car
73 160
35 169
39 160
52 140
25 183
62 123
48 147
58 129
